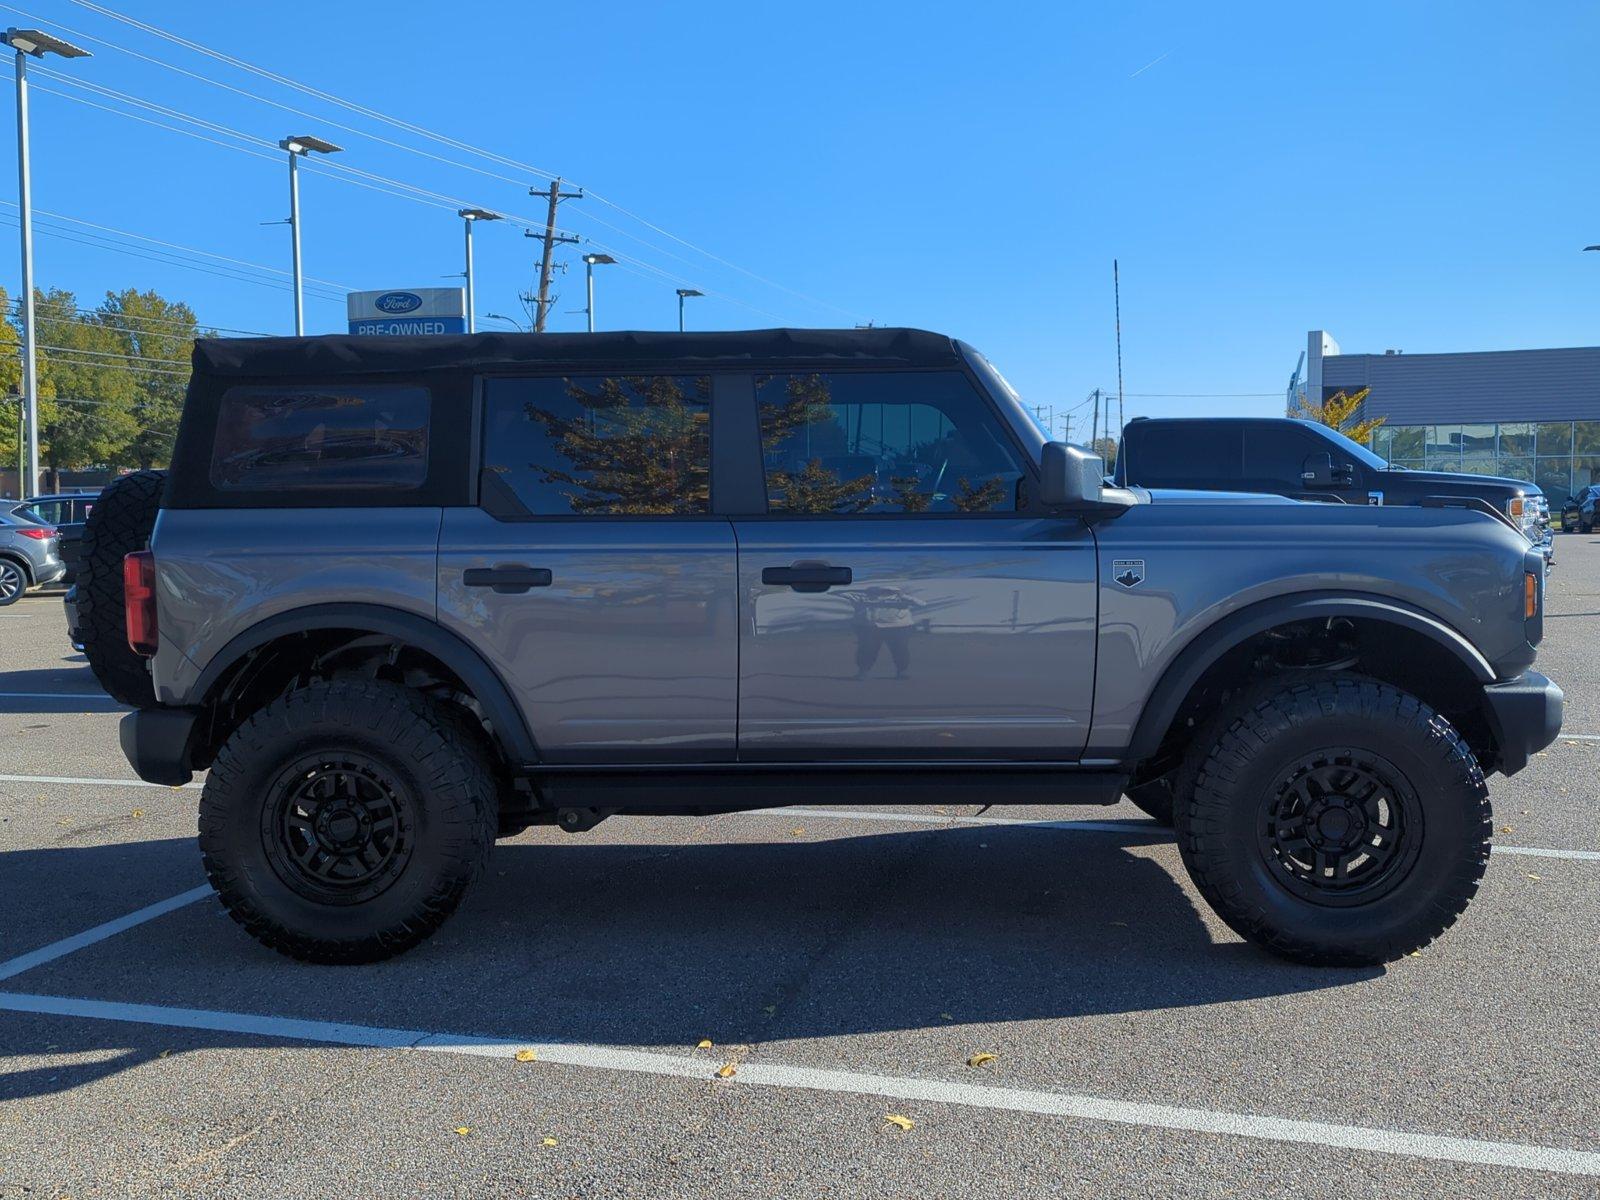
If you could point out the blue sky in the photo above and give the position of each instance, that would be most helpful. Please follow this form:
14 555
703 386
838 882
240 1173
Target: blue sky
1414 176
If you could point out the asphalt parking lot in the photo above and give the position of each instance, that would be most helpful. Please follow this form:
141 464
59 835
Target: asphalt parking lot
847 965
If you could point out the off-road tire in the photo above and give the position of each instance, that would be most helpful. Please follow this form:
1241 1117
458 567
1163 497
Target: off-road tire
1154 798
119 524
1229 784
447 813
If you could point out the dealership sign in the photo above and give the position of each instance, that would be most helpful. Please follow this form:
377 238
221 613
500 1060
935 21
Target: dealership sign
419 310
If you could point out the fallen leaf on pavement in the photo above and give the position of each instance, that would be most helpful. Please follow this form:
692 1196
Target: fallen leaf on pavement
704 1044
1536 878
727 1070
1506 829
138 812
798 832
551 1142
526 1055
978 1059
463 1130
898 1121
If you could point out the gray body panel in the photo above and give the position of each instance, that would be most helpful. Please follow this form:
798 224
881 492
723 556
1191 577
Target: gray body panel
631 652
957 637
1206 557
219 572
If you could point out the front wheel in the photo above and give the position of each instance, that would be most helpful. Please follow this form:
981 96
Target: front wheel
1338 822
344 821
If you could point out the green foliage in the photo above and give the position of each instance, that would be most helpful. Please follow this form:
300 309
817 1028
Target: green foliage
1338 412
110 387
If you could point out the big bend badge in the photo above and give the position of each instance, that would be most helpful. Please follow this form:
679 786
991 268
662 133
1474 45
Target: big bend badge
1129 572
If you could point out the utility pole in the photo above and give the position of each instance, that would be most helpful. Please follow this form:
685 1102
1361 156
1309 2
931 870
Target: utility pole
1094 428
551 239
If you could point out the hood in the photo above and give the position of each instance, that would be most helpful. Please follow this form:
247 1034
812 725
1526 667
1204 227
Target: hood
1199 496
1456 483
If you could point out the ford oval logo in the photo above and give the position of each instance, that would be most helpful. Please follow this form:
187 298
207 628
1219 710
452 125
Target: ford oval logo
398 302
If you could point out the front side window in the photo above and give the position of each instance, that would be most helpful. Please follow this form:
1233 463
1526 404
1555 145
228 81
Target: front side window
341 437
882 442
637 445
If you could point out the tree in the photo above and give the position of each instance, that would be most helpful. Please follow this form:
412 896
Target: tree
89 420
10 390
1337 412
1106 448
157 336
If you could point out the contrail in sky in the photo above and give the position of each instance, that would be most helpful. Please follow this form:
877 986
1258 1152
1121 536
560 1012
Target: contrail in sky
1148 65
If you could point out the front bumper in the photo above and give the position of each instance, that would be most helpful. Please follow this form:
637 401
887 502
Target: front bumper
1524 716
157 741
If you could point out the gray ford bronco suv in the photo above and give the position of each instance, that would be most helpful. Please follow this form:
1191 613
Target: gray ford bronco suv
401 596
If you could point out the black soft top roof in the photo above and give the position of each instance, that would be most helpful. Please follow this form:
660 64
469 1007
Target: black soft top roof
365 354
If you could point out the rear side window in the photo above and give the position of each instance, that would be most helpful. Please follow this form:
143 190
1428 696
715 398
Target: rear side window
1275 456
599 445
323 437
1184 454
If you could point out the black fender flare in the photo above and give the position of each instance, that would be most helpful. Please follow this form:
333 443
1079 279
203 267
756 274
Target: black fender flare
427 635
1211 643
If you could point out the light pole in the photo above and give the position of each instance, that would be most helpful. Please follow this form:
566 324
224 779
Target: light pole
684 294
296 146
37 43
589 261
470 217
517 325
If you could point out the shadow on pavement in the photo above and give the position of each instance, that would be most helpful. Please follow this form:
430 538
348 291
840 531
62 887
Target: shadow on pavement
661 944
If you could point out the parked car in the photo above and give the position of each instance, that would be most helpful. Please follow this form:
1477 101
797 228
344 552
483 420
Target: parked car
1307 461
66 512
1578 513
583 575
29 555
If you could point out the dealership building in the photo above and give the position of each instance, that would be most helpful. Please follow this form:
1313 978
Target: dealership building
1527 414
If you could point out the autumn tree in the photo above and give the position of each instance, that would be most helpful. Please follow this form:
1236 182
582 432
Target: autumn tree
86 402
1338 412
156 336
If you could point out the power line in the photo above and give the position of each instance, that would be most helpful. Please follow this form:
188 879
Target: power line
422 131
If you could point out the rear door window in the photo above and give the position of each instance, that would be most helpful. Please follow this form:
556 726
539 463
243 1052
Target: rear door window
597 445
1275 457
1185 454
333 437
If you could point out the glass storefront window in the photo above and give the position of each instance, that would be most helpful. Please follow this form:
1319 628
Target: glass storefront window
1586 437
1408 441
1555 437
1516 440
1516 468
1478 463
1554 477
1478 439
1585 470
1444 441
1409 464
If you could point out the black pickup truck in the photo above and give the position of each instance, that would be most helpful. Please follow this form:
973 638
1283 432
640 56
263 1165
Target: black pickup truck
1307 461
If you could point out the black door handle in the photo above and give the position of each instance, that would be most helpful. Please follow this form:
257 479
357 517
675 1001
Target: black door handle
807 576
507 580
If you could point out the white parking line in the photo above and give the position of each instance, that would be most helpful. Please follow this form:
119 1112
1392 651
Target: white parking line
84 780
1513 1155
96 697
66 946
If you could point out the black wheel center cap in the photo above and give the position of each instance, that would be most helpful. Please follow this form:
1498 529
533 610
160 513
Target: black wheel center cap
341 828
1335 823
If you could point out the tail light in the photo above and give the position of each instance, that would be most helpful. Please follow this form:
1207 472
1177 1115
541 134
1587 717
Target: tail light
38 533
139 601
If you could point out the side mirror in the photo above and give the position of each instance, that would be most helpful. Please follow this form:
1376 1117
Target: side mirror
1319 471
1070 476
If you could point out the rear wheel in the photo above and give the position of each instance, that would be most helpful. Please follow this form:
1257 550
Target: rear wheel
1338 822
123 516
344 822
12 582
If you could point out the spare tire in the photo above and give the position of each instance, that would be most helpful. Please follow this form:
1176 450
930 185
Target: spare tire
119 523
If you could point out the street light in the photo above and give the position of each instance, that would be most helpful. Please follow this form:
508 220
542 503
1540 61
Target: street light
296 146
37 43
684 294
517 325
469 217
589 261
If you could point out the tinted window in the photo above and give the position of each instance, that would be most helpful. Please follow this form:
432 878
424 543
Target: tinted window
600 445
1180 454
334 436
882 442
1275 457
